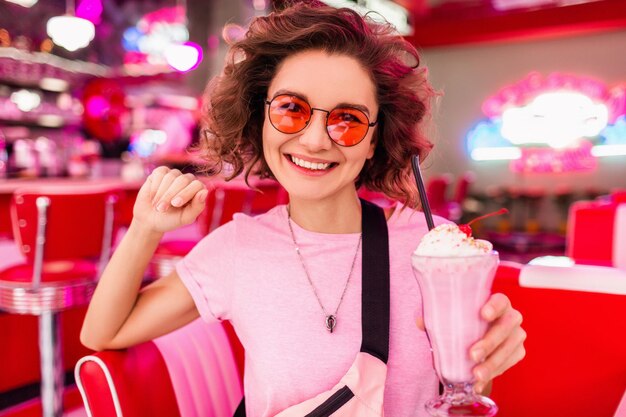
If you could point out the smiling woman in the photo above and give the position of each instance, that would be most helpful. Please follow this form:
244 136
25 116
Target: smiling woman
321 292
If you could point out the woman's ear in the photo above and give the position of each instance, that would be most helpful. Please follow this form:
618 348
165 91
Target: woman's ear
370 152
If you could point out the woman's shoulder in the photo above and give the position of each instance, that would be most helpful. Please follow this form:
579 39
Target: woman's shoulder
407 226
262 225
273 217
404 218
245 230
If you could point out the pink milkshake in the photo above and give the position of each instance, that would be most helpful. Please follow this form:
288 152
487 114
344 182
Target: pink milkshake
455 273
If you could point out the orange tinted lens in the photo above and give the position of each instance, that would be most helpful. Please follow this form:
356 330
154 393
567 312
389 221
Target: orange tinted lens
347 126
289 114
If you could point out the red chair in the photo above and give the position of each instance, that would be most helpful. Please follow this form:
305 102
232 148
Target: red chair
268 194
223 201
65 234
436 189
193 371
455 206
596 233
575 363
5 217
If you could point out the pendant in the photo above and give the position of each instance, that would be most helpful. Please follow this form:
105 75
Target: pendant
331 322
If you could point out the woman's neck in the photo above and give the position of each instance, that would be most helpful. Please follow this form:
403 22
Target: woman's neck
327 216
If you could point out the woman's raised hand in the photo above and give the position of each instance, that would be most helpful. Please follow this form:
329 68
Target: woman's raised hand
168 199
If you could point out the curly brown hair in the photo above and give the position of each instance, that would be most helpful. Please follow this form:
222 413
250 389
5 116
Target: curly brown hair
233 112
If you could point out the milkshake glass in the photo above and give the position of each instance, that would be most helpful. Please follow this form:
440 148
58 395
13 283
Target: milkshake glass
454 288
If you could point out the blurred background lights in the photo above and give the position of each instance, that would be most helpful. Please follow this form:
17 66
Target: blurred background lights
26 100
385 11
144 143
259 5
130 38
496 153
70 32
24 3
558 119
90 10
184 57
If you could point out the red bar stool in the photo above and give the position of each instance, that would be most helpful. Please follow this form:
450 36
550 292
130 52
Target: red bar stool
437 189
461 191
65 234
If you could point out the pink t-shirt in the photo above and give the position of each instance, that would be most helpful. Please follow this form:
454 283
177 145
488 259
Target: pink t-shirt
248 272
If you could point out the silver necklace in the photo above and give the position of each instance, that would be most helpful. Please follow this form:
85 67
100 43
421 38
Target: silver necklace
330 319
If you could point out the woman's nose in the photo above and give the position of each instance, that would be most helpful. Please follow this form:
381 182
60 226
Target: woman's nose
315 137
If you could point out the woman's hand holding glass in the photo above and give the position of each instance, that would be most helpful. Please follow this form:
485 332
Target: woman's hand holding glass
168 199
503 344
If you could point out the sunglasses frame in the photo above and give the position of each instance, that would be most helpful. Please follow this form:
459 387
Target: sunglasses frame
306 124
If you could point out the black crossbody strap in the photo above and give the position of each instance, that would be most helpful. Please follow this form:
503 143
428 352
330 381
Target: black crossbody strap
375 272
375 286
241 409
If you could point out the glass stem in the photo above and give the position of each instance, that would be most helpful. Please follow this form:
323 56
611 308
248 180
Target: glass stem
458 393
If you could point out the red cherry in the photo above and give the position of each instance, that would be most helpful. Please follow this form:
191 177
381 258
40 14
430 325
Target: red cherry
466 228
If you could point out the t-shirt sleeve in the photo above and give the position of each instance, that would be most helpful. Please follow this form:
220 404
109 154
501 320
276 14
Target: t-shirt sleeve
207 272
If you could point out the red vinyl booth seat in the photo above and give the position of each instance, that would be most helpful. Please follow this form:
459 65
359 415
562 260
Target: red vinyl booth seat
575 364
194 371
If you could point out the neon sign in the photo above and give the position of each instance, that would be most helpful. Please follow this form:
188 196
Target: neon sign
557 123
161 38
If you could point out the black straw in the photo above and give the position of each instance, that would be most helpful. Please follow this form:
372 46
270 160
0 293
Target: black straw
415 162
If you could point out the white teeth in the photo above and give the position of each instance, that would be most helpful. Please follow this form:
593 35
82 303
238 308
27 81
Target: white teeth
316 166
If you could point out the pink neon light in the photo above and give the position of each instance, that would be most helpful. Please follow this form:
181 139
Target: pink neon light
548 160
90 10
522 92
167 14
97 106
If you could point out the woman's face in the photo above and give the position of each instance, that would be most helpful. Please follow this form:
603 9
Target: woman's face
309 164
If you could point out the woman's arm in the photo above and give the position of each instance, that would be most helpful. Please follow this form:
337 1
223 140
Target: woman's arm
119 314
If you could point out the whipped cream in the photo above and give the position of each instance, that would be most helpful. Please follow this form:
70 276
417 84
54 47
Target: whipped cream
449 240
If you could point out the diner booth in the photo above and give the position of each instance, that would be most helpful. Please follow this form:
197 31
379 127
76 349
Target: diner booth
532 118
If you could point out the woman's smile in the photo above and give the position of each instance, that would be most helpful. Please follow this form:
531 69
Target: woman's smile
311 166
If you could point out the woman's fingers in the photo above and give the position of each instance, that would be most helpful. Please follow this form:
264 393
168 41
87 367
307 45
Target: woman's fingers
167 188
179 192
155 180
499 330
145 190
195 207
166 182
503 357
186 195
495 307
503 344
